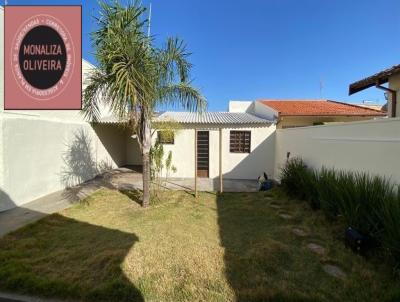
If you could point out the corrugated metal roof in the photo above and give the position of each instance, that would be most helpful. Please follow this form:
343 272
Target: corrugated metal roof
111 119
211 118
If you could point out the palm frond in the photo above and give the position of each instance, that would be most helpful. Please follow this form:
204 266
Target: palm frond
96 87
184 95
173 61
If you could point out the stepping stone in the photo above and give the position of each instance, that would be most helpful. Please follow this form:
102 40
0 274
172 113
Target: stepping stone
334 271
275 206
285 216
317 249
299 232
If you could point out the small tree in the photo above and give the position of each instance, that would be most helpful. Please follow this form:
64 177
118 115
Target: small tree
134 77
156 163
169 167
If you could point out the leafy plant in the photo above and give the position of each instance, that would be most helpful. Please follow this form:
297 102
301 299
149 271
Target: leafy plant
134 76
327 188
300 181
169 167
158 164
156 160
370 204
389 212
359 197
291 177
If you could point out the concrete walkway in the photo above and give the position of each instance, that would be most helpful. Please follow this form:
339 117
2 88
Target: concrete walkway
8 297
119 179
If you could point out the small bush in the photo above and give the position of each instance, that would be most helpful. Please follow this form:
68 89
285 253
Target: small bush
328 190
360 196
389 212
370 204
294 176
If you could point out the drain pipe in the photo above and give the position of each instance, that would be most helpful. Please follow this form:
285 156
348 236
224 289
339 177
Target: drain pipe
393 97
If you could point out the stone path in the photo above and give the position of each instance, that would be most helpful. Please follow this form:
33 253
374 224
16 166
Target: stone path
319 250
275 206
299 232
285 216
334 271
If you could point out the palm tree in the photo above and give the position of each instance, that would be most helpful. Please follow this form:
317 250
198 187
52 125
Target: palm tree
134 77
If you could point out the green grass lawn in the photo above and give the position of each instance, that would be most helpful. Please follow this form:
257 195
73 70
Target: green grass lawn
229 247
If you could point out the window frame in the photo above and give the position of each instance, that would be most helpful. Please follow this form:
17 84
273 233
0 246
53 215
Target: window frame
241 146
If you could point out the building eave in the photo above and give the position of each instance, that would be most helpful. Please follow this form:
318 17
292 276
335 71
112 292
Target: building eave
379 78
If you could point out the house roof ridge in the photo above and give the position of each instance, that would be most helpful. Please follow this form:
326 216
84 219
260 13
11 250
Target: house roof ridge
355 105
209 117
321 107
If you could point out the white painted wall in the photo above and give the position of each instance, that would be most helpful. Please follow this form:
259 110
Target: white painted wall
394 83
41 156
266 112
256 108
234 165
371 146
240 106
133 153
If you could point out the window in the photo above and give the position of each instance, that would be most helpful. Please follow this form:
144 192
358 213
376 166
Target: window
240 141
165 137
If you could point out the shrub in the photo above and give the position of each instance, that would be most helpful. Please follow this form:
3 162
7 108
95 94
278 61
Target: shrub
300 181
389 212
370 204
291 178
327 190
360 196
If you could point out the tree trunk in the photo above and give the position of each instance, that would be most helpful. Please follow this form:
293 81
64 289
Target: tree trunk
146 145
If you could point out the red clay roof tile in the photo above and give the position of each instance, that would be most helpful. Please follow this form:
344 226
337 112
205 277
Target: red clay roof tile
319 107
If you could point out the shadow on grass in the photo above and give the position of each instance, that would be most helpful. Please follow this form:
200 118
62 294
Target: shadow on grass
66 258
253 260
134 195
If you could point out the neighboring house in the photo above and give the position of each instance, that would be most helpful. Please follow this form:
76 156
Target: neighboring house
301 113
391 76
247 144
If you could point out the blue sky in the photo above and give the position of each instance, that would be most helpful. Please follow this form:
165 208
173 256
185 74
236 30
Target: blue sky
247 50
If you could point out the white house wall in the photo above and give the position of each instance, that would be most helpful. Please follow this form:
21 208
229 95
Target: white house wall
256 108
133 153
265 111
370 146
234 165
394 83
240 106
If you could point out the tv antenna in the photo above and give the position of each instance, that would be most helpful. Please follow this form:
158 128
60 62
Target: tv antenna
321 86
148 28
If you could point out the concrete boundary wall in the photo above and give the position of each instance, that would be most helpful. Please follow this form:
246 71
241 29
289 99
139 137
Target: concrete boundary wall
39 156
370 146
